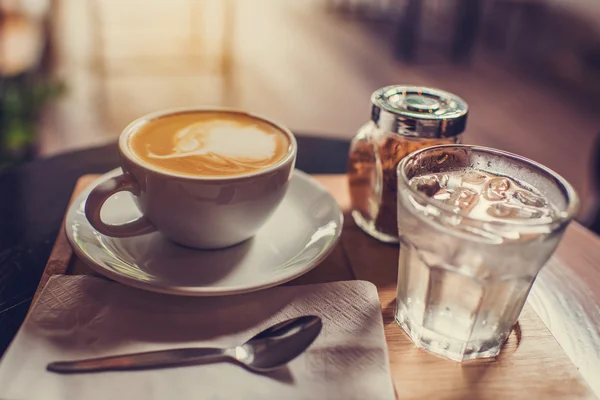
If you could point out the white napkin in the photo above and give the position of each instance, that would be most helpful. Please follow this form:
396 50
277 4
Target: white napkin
82 316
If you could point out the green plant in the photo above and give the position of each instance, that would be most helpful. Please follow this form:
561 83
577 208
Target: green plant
21 101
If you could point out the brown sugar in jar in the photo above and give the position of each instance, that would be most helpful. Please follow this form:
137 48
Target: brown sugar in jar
403 119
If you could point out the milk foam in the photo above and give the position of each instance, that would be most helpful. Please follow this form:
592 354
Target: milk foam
225 138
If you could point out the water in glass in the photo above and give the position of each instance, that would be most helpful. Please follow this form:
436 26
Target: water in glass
472 243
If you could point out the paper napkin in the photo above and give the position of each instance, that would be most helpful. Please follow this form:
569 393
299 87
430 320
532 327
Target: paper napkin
82 316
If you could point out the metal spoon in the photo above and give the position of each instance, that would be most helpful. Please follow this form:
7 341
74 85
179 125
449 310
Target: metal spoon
270 349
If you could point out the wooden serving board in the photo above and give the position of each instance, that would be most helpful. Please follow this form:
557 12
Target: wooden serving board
532 364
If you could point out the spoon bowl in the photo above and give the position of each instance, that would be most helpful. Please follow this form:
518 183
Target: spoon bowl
279 344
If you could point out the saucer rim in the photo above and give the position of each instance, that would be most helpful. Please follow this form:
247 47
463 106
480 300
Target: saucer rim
202 291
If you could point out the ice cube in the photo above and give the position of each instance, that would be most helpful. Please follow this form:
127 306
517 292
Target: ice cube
429 185
463 199
474 177
442 195
444 180
453 181
529 199
506 211
499 210
496 188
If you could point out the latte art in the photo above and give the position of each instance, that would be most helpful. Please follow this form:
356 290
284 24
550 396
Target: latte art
222 138
210 143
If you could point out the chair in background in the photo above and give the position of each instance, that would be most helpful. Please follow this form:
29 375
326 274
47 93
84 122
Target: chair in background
461 16
418 21
593 221
511 25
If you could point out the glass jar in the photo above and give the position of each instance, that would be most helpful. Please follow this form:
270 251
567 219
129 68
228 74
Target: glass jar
403 119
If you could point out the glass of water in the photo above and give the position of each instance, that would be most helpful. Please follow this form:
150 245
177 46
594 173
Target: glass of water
475 225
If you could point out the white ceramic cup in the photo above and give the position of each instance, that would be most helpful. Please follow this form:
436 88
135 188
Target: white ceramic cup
196 211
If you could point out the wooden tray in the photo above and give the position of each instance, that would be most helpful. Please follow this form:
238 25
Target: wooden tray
532 364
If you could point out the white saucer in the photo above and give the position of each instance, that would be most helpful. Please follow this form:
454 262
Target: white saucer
301 233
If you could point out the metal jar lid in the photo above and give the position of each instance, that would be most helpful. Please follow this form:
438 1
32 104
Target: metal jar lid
419 111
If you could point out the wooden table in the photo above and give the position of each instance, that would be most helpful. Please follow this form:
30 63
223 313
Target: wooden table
532 363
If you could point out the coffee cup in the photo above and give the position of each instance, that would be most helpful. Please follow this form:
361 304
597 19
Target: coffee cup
205 178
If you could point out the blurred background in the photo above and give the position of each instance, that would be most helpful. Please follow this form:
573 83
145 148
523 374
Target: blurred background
75 72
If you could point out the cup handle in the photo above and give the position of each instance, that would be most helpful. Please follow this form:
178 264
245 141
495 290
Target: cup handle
101 193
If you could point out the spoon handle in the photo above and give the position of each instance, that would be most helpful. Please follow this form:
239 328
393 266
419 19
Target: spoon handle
151 359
